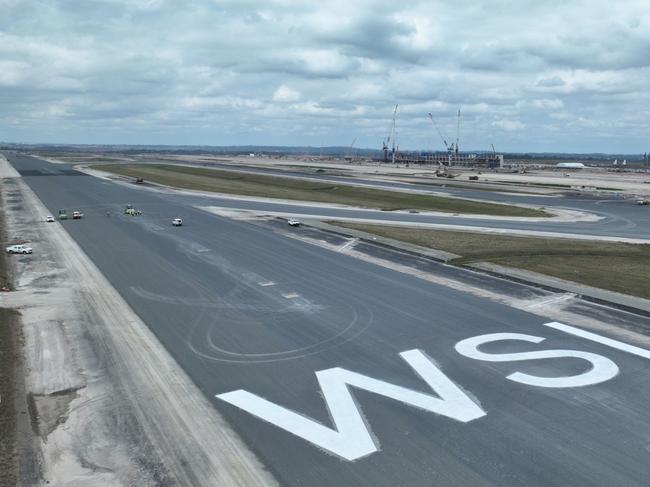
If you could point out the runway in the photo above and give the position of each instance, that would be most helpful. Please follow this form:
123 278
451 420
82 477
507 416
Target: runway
337 371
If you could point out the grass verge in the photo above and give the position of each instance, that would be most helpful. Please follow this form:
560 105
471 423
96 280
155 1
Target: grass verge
297 189
619 267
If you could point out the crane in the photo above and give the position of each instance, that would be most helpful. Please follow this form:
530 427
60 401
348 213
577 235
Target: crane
349 154
391 138
457 132
444 141
393 135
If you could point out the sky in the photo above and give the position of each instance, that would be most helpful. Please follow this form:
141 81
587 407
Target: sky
539 76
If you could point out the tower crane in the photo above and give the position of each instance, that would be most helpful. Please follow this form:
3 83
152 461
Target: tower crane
392 134
457 132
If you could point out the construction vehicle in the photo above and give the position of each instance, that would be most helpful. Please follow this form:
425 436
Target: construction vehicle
442 172
129 210
63 214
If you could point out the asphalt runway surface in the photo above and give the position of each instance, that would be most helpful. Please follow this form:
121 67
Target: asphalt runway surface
243 308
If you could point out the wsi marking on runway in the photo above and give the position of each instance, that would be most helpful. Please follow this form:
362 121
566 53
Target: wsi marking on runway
351 438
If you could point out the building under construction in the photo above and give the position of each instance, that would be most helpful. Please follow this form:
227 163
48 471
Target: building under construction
452 157
488 161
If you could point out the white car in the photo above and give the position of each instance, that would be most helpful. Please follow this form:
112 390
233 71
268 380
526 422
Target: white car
49 218
19 249
177 222
293 223
77 215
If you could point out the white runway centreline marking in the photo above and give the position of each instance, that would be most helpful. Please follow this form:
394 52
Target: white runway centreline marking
266 284
641 352
291 295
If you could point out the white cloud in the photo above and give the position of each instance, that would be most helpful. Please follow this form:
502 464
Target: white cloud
159 71
285 94
509 125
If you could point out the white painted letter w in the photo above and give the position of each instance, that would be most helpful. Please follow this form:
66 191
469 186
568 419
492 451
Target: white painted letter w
351 438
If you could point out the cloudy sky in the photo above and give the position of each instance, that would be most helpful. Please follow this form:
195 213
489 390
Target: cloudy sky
534 75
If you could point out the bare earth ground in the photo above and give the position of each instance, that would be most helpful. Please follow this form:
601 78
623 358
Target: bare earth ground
590 177
8 459
9 356
16 452
109 406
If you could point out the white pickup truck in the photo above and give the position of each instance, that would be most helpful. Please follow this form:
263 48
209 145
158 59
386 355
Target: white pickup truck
19 249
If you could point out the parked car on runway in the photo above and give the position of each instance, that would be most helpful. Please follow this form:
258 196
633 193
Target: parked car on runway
177 222
19 249
293 223
49 218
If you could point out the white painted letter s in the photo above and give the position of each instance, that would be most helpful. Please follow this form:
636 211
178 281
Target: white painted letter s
602 369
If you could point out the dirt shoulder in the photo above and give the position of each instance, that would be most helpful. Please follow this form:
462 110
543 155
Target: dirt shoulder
17 460
8 358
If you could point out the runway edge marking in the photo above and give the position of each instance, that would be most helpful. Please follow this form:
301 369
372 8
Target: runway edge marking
587 335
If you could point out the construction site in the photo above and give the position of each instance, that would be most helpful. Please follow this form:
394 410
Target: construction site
451 157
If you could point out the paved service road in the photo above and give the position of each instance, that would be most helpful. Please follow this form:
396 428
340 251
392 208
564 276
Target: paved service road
252 316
